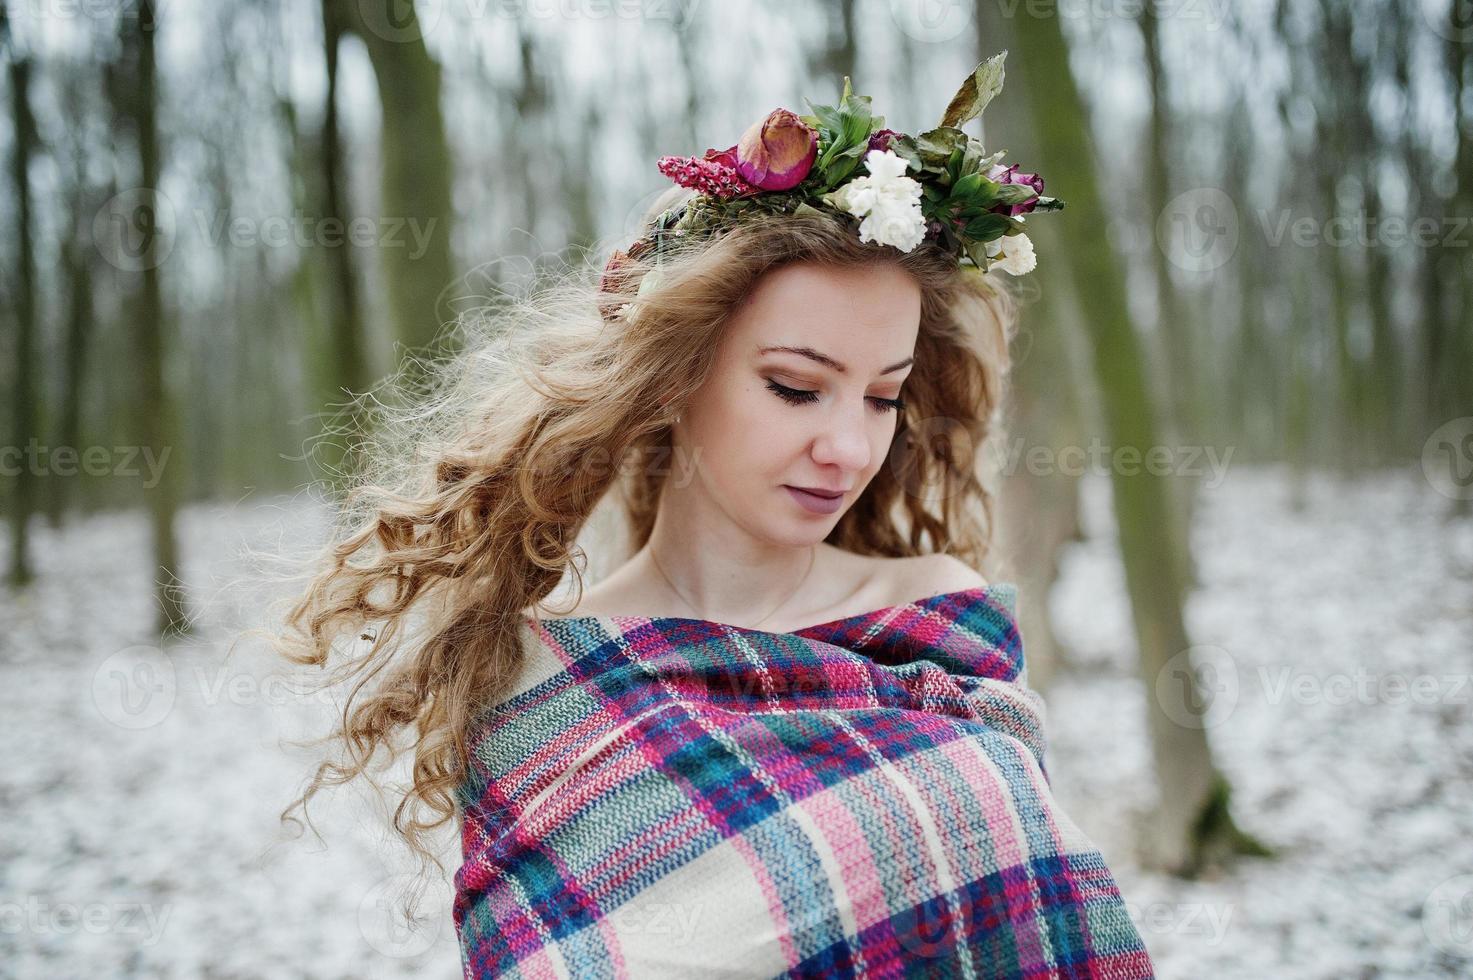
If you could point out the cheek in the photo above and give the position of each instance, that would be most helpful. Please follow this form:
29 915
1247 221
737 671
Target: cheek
742 424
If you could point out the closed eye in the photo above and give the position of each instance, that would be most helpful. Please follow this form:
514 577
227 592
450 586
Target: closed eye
800 396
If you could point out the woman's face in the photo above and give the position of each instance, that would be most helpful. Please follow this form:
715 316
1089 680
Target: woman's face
802 396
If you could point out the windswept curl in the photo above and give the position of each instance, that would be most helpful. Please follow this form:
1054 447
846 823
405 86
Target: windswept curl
469 499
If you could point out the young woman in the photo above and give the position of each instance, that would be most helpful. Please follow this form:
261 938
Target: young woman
790 733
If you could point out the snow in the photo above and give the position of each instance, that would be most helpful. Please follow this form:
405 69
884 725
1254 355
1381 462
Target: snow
1356 770
142 788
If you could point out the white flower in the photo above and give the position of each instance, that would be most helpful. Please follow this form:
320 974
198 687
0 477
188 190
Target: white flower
857 197
885 165
1020 257
887 200
893 223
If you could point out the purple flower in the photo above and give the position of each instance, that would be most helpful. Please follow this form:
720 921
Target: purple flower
880 139
1009 175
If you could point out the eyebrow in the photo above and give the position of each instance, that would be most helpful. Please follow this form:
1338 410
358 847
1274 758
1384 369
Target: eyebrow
824 359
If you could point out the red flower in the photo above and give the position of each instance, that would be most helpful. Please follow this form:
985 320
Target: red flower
710 175
776 153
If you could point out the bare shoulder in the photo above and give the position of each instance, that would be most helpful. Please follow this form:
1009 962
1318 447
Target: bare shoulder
923 576
896 581
618 593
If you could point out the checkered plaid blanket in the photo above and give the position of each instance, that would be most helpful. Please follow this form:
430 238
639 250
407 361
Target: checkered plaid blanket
866 797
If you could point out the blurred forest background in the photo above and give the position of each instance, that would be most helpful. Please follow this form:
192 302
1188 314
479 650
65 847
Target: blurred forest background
224 217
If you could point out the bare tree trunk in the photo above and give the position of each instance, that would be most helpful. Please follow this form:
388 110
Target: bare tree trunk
837 55
160 425
580 159
416 202
1193 825
25 391
1460 299
78 333
349 362
1039 513
1333 149
1183 390
1299 380
529 104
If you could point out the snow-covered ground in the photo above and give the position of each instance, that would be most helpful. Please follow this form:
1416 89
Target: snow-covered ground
141 789
1337 643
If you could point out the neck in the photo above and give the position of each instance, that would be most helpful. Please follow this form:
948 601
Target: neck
719 570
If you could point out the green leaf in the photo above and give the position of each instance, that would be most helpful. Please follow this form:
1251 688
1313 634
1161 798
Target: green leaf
979 88
828 117
937 145
806 208
977 252
905 148
986 227
841 170
988 162
954 164
1014 193
972 159
856 128
968 185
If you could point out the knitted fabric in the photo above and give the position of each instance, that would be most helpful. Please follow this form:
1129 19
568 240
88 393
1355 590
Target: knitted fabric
668 797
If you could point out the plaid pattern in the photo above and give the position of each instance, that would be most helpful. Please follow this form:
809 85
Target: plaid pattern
681 798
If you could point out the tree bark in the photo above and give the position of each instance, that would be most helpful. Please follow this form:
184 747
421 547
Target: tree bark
1192 823
26 391
416 196
160 423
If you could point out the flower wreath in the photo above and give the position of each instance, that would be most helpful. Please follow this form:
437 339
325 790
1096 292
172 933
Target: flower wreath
939 186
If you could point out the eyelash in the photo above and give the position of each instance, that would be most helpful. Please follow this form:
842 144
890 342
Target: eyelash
794 396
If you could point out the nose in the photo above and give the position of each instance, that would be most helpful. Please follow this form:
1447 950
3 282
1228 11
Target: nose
843 439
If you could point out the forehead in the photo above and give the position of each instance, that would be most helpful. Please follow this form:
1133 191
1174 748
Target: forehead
874 303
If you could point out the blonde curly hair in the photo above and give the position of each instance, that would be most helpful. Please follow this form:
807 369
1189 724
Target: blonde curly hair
469 498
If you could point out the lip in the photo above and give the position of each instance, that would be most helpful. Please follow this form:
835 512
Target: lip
816 501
